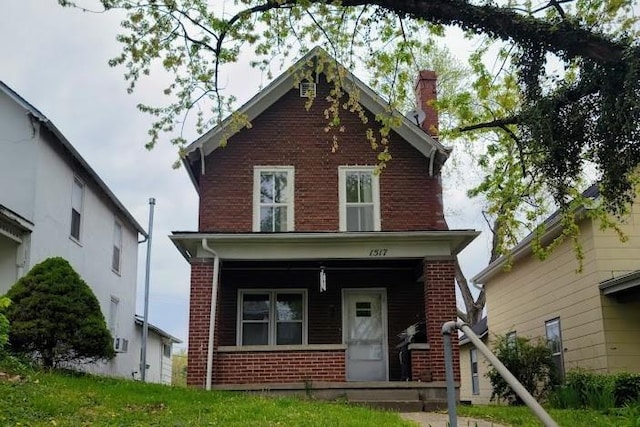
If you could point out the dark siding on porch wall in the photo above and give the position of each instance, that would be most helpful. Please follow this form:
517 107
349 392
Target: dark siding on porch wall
288 135
405 301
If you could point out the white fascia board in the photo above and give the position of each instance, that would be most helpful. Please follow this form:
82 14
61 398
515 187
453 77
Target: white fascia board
304 246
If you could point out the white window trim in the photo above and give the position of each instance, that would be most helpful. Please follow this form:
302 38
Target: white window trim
119 269
474 375
257 170
342 194
82 203
272 319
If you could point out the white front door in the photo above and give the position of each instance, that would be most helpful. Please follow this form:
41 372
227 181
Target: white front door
365 334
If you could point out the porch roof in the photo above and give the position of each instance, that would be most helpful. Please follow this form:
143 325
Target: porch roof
621 284
324 245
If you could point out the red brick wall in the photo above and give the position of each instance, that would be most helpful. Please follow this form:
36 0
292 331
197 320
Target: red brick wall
289 135
199 315
279 367
440 307
420 369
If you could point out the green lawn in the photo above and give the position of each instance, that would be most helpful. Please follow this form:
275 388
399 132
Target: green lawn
42 399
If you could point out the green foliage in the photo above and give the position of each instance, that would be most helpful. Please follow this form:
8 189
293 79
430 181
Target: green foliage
54 399
55 317
584 389
4 323
530 362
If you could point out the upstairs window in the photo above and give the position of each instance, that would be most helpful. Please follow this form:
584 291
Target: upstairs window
117 247
359 195
273 199
77 200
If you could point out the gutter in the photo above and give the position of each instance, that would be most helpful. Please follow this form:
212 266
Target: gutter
212 312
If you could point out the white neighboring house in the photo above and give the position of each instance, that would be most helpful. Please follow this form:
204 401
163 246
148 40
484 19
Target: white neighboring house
52 203
159 353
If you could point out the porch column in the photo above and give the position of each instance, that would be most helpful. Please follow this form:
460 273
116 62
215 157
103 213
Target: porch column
440 307
199 313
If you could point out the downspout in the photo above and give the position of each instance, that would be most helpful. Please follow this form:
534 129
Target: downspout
212 312
431 160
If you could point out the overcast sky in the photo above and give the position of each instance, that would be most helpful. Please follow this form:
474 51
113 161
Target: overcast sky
56 59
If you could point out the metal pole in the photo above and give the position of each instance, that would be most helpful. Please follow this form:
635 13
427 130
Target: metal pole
145 322
448 370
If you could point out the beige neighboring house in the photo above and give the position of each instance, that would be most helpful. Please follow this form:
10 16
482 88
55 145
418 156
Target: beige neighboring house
590 317
474 385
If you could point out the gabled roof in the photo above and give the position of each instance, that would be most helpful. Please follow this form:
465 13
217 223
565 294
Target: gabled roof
279 87
66 145
552 226
481 329
139 320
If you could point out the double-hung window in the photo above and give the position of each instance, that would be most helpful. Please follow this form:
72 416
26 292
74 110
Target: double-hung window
117 247
554 341
359 195
77 200
272 317
475 380
273 198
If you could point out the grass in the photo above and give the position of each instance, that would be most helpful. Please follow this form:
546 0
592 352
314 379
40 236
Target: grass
55 399
522 416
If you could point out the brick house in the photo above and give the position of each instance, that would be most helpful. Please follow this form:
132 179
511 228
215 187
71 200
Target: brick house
307 265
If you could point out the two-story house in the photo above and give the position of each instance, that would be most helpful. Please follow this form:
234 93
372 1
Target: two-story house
307 263
588 317
52 203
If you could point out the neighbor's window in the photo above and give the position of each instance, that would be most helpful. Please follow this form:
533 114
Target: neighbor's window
273 199
166 350
359 195
554 341
117 247
77 199
272 317
475 380
112 323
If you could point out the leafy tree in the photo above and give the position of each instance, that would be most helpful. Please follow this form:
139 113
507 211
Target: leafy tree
55 317
529 361
574 66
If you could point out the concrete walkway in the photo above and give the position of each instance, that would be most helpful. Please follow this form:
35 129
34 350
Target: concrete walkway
437 419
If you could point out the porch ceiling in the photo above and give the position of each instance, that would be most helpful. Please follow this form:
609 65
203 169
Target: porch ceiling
324 245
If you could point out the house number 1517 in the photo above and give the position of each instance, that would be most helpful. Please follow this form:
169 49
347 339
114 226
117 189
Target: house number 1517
378 252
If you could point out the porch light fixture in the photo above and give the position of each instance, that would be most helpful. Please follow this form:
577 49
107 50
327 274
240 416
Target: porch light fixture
323 280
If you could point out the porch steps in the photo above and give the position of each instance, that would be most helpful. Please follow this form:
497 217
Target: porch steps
391 399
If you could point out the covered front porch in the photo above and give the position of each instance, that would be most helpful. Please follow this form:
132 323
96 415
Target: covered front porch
320 312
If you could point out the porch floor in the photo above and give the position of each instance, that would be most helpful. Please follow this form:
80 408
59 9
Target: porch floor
402 396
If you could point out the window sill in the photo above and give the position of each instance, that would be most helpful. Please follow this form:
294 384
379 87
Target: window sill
273 348
76 241
116 272
419 346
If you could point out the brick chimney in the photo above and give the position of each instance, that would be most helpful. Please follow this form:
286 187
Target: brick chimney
426 95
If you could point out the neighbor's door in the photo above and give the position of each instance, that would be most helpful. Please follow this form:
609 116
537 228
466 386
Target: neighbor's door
365 332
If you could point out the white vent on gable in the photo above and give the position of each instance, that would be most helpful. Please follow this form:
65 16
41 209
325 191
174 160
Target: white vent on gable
120 345
307 90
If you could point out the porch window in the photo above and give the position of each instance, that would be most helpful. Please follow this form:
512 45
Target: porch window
273 198
554 341
359 195
77 200
272 317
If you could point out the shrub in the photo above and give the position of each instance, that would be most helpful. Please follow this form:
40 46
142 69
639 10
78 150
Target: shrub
56 318
530 362
626 388
4 323
584 389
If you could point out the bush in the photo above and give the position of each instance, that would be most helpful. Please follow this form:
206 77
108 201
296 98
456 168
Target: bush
56 318
4 323
584 389
530 362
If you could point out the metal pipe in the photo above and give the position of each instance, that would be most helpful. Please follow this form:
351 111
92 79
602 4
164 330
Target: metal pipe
518 388
212 310
448 371
145 318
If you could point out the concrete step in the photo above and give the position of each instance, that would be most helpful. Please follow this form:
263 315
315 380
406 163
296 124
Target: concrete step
368 395
392 405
